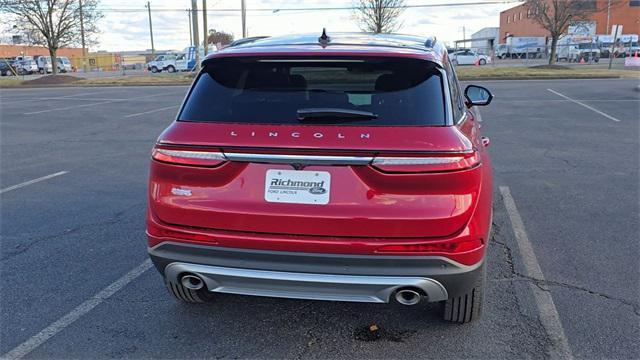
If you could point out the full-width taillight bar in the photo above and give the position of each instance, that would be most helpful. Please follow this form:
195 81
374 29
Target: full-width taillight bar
431 162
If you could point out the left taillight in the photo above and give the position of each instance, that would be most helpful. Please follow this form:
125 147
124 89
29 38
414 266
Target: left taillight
189 157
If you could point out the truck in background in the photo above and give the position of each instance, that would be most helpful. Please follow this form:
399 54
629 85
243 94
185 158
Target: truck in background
626 45
172 62
577 48
521 47
44 64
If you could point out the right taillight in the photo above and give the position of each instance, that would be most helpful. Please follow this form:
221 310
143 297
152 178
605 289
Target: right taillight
440 162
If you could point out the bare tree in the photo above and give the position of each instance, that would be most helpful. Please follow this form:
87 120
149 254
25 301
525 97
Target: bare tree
556 16
379 16
221 37
54 23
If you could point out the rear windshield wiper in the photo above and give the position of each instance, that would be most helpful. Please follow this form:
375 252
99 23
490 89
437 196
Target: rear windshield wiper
334 113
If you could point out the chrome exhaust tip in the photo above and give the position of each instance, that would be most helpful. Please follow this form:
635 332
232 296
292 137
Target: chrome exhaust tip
192 282
408 297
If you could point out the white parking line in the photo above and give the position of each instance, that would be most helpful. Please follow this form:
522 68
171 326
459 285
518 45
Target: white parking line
18 186
585 105
75 314
549 316
21 99
98 103
152 111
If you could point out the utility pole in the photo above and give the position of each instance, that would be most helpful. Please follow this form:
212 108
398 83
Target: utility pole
613 47
153 48
196 38
204 26
84 50
244 18
608 15
190 32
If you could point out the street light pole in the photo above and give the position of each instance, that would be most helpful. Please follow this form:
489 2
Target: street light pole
204 26
196 37
84 50
243 8
190 32
153 48
608 15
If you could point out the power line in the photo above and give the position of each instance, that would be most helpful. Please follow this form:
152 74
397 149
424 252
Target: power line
298 9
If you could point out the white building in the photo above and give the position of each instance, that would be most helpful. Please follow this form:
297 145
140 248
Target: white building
483 41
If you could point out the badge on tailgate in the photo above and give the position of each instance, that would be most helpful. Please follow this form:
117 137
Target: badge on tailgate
297 187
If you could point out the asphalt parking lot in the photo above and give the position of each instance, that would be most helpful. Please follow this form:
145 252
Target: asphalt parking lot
563 262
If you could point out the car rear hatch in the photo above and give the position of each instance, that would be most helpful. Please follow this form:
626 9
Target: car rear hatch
351 147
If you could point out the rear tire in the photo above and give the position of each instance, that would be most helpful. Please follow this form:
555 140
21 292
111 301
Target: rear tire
171 69
468 307
187 295
154 69
483 62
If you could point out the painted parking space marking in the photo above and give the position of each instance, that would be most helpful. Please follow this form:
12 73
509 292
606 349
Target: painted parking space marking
584 105
98 103
152 111
26 183
21 99
50 331
549 316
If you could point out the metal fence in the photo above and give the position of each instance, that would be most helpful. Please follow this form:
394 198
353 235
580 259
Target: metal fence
575 53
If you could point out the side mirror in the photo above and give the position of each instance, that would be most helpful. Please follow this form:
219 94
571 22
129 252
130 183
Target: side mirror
477 95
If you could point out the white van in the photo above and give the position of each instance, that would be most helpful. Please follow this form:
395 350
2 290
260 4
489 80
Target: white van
44 64
64 65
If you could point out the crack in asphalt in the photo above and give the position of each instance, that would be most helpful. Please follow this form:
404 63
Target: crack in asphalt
543 284
21 248
547 154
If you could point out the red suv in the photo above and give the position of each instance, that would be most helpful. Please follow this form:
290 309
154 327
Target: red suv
347 167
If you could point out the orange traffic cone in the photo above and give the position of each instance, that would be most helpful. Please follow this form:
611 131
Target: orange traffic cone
477 62
582 60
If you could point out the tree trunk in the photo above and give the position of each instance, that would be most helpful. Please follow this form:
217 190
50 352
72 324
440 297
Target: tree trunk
54 61
552 54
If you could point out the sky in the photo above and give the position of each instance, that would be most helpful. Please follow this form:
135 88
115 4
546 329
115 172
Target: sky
130 30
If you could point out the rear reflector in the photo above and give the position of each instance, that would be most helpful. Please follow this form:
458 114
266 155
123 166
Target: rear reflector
189 157
422 164
444 247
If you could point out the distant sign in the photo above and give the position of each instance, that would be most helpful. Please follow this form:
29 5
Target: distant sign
582 28
616 29
632 61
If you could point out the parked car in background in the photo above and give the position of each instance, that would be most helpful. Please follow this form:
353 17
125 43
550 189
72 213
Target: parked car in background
26 67
7 67
469 57
347 172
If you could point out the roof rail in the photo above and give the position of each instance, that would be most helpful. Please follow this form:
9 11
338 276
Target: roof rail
431 41
246 40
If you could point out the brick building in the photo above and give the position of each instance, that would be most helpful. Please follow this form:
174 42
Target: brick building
517 21
7 51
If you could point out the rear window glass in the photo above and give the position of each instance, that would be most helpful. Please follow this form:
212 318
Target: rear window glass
397 92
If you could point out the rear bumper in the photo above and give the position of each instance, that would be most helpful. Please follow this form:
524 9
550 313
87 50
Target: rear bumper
361 278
